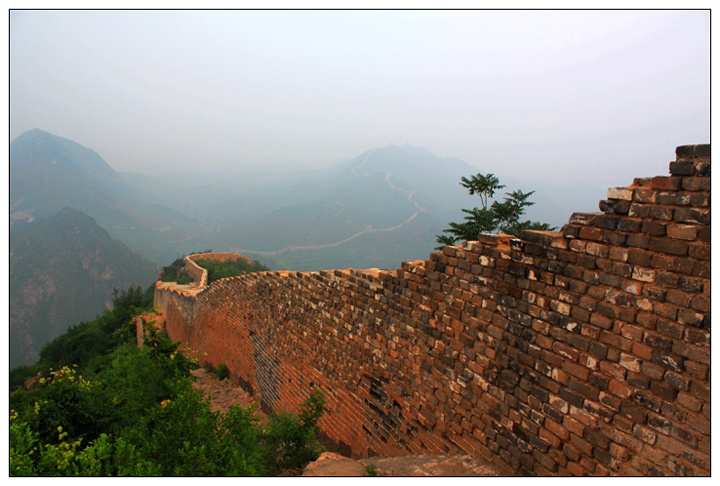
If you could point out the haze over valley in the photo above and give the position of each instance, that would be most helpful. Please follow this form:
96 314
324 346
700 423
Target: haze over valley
375 210
313 140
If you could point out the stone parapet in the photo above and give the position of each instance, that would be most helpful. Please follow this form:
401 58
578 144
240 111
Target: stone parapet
584 351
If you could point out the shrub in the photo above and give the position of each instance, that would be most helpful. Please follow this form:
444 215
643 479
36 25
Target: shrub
229 268
222 372
175 272
81 407
135 412
292 440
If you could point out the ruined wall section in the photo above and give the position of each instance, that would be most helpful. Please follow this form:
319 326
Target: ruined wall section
196 272
582 351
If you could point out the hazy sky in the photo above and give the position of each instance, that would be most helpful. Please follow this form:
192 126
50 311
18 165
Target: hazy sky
597 95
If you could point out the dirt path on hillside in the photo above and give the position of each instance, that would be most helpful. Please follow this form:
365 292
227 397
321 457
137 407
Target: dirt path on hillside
223 393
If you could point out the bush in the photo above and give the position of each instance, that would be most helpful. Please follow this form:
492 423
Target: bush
135 413
82 408
292 440
87 341
222 372
175 272
229 268
179 436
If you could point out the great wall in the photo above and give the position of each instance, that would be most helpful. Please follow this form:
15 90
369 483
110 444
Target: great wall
584 351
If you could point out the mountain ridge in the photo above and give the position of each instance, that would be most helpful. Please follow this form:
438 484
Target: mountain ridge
48 173
62 271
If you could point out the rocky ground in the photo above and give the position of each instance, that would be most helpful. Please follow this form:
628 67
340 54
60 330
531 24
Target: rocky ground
224 393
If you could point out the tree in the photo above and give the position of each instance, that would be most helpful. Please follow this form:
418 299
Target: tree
494 216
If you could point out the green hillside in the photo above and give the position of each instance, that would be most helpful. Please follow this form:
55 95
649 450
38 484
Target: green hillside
62 271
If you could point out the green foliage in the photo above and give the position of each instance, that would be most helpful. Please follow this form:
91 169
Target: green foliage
19 374
179 436
135 413
23 445
175 272
292 439
83 343
222 372
105 456
136 382
493 216
230 268
81 407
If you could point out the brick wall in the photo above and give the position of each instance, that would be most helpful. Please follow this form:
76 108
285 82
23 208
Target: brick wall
198 274
579 352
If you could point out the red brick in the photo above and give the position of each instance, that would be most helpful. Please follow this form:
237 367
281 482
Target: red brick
591 233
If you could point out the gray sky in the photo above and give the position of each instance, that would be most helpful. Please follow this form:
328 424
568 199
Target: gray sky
595 95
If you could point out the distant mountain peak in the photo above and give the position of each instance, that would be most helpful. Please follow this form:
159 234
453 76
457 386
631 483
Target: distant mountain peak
37 149
401 159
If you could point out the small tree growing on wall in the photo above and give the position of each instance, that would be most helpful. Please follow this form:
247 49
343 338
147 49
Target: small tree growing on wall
494 216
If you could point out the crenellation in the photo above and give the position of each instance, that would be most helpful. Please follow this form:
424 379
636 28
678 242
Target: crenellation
572 352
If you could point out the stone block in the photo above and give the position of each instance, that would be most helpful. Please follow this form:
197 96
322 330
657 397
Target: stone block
621 193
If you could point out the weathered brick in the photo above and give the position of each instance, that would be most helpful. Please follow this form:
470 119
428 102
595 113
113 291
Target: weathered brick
668 245
692 215
673 184
668 360
585 350
692 318
702 269
673 198
696 184
697 370
622 193
661 212
677 380
637 380
691 284
665 309
658 341
683 231
663 262
639 210
653 371
664 391
637 240
701 354
645 434
644 195
634 412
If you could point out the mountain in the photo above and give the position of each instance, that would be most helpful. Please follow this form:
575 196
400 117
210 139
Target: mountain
62 271
300 219
358 213
48 173
70 211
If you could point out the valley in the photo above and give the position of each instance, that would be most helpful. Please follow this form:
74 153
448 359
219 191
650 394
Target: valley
375 210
